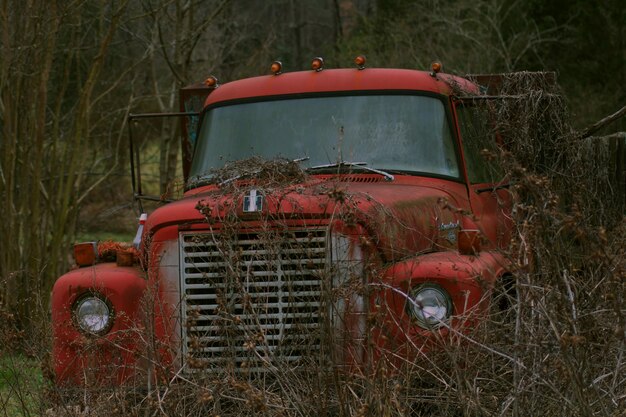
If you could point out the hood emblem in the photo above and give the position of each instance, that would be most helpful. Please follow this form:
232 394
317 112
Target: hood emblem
252 202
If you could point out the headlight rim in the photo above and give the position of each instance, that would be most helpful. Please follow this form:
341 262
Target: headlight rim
76 320
410 305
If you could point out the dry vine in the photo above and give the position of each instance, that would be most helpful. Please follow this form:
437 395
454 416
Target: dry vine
553 342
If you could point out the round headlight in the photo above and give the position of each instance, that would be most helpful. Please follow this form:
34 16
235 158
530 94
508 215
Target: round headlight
93 315
430 305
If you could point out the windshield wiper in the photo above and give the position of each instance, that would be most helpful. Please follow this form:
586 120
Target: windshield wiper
198 181
360 165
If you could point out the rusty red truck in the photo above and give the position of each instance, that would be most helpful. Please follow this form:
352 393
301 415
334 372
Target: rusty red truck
333 217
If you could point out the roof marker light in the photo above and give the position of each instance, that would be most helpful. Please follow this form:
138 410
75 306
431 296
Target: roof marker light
317 64
277 67
211 82
436 68
359 61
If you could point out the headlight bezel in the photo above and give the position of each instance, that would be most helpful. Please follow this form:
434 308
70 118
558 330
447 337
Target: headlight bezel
417 314
79 320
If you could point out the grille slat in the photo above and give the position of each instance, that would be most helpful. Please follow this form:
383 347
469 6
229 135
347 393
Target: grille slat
224 362
203 241
204 275
258 315
254 285
212 296
209 339
260 349
253 327
257 252
252 294
255 262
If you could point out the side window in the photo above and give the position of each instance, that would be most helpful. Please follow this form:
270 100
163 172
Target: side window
479 144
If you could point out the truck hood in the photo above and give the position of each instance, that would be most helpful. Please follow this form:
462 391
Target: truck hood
407 216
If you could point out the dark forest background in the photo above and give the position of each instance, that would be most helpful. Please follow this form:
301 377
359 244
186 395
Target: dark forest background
71 71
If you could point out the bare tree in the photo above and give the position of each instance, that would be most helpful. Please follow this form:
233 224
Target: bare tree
53 57
175 30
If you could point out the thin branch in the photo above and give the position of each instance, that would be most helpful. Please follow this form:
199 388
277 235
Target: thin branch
602 123
617 135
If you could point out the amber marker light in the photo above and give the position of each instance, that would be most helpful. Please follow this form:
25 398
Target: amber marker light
436 68
85 254
211 82
124 258
317 64
277 67
360 62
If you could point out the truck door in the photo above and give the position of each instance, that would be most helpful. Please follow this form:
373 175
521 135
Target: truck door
489 195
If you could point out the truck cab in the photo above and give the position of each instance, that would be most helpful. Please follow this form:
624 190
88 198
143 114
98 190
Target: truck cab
331 217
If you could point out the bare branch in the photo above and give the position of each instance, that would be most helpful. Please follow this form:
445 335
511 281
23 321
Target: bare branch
602 123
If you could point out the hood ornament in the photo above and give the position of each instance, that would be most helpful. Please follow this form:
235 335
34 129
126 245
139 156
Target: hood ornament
252 202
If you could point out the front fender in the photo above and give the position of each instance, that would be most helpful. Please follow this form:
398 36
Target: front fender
454 272
467 279
113 358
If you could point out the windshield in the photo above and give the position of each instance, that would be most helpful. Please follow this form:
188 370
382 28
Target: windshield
390 132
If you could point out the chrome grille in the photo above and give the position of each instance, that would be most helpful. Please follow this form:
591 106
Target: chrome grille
251 300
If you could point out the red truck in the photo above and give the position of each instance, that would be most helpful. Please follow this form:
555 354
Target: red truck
331 217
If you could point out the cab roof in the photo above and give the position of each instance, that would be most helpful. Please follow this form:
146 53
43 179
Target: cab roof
336 80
